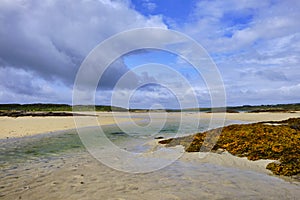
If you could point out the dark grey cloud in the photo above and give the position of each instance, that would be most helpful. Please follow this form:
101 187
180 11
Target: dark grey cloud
114 73
22 86
50 39
19 82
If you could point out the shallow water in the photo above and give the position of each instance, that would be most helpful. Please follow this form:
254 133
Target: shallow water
57 166
46 146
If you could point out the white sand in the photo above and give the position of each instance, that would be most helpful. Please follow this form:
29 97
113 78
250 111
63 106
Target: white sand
26 126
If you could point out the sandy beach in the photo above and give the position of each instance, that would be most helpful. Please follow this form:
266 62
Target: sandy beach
26 126
78 175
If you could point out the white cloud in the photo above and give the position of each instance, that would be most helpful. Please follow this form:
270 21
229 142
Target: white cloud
258 96
246 22
254 43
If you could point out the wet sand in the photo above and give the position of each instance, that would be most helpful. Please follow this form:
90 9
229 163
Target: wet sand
80 176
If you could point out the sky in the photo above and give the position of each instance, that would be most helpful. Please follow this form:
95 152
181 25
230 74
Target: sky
255 45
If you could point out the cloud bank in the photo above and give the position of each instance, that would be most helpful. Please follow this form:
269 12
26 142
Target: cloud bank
255 44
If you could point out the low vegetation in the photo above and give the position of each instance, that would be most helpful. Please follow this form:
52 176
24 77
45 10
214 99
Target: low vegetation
57 107
66 107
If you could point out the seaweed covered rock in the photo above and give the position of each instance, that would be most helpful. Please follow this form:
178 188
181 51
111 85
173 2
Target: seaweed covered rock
256 141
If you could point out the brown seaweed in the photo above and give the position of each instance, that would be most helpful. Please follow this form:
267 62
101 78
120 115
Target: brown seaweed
256 141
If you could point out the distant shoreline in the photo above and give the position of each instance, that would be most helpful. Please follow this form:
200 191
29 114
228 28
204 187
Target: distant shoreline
107 108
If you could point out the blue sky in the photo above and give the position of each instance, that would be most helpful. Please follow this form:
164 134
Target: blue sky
179 11
255 45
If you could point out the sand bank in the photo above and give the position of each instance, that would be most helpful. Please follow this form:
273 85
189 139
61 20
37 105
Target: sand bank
25 126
